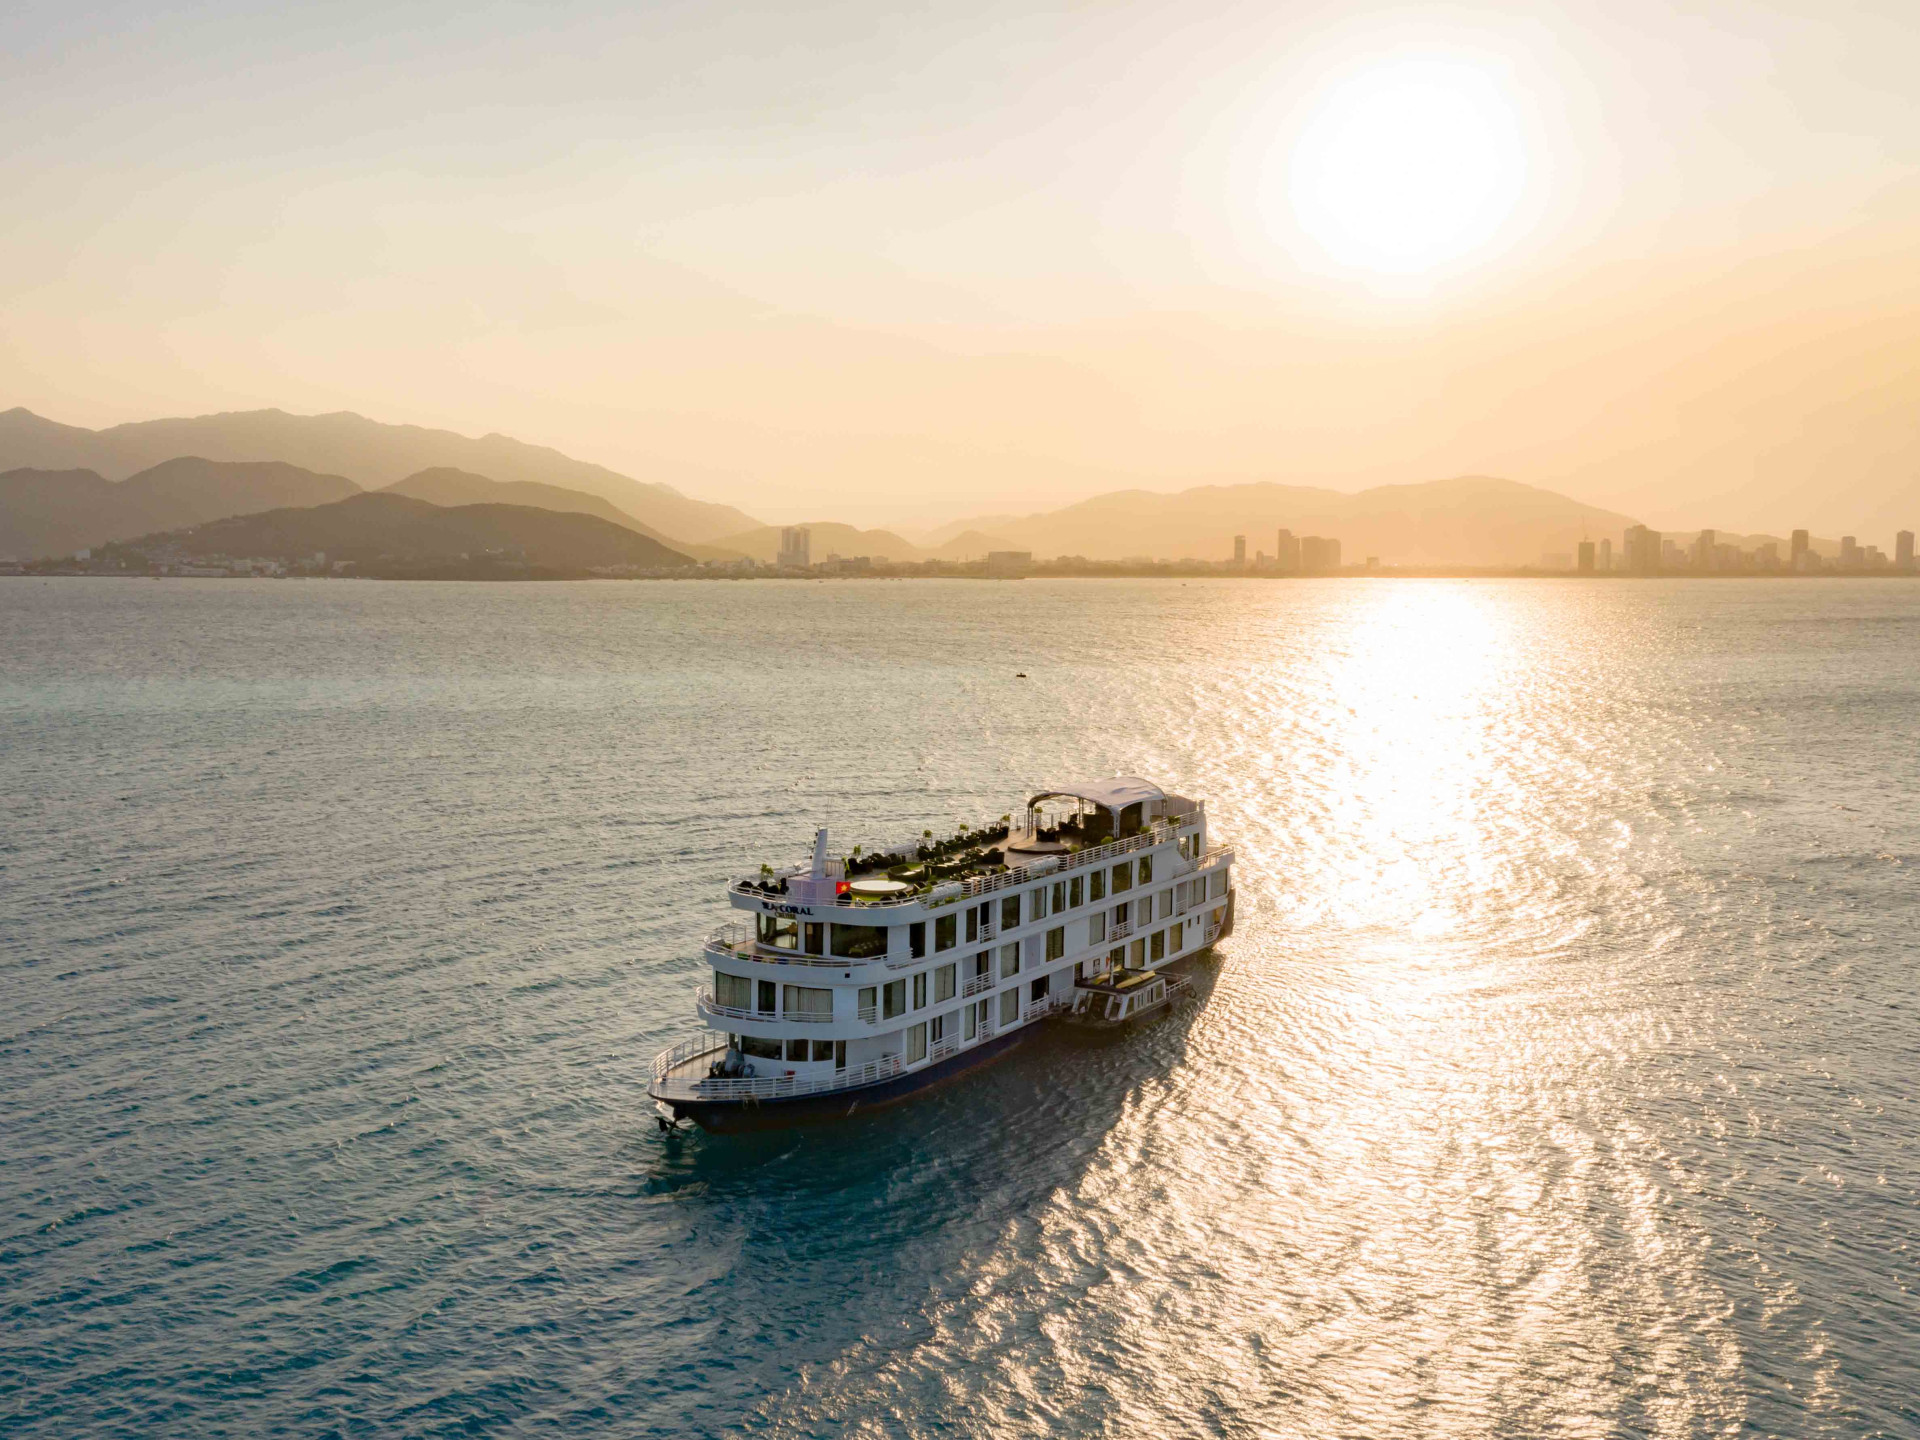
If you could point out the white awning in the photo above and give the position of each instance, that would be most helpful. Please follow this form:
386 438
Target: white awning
1115 794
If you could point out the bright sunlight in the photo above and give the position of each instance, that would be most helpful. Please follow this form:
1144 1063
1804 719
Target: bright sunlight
1408 166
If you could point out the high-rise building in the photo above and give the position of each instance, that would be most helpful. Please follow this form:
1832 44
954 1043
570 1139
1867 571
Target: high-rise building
1286 554
796 547
1800 549
1704 550
1903 550
1852 557
1604 561
1586 557
1319 554
1240 550
1640 548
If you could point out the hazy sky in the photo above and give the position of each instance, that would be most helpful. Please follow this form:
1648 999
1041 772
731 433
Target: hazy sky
890 263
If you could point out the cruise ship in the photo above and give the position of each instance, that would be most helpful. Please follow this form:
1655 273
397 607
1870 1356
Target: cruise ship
858 980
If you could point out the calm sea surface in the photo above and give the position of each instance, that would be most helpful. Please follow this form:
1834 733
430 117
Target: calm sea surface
1559 1080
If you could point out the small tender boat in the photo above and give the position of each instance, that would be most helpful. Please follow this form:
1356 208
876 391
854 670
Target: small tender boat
1114 1003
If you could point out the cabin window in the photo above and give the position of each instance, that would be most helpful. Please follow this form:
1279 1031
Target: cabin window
796 1050
1010 912
1009 960
869 1002
759 1049
1166 903
896 999
971 1022
1010 1006
1146 869
1159 949
1219 883
1096 927
1123 876
1076 892
822 1050
859 942
807 1000
765 999
1097 886
1117 957
916 1042
973 923
944 987
917 938
839 1054
733 991
816 936
782 932
920 991
1037 903
983 964
1039 988
937 1029
1120 913
1056 942
946 932
1059 896
1138 950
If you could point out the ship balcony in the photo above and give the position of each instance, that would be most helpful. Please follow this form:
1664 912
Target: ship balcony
712 1009
680 1075
1119 929
978 984
736 941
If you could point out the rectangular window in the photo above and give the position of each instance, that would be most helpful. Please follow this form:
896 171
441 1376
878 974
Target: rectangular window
1146 869
920 991
896 999
1120 913
1009 960
1056 942
983 963
796 1050
937 1029
1059 896
859 942
1159 950
1137 952
1117 957
1166 903
1123 876
760 1049
944 986
972 1022
1010 1006
765 1000
1037 904
839 1054
807 1000
973 924
1077 892
734 991
917 939
1097 927
782 932
1041 985
1219 883
916 1042
1010 912
816 937
822 1050
946 932
869 1001
1097 886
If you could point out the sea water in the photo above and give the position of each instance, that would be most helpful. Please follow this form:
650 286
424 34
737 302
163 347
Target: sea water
1559 1078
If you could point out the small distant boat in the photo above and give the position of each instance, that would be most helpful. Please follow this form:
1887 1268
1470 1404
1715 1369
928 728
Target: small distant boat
1122 1000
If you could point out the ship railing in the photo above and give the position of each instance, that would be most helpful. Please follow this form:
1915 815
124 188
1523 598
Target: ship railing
1213 934
943 1048
1041 1009
711 1008
1119 929
668 1086
977 983
869 1014
736 942
954 890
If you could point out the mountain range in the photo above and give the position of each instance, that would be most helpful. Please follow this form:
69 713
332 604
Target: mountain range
384 533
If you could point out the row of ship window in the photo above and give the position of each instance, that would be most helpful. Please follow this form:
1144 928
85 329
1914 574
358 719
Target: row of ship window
964 1024
936 986
864 942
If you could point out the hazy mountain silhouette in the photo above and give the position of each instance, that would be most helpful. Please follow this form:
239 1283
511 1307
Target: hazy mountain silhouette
1469 520
370 453
396 534
55 512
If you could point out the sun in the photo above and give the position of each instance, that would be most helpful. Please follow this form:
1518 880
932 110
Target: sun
1408 166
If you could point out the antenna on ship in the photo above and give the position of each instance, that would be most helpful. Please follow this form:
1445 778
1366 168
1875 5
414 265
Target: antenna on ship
819 853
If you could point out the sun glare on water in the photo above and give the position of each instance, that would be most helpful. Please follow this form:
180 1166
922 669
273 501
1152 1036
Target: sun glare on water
1407 166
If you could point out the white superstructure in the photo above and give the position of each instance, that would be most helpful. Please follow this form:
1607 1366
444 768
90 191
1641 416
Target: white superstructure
855 979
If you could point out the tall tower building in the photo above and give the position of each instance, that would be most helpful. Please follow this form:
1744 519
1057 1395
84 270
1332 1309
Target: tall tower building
1604 561
1903 550
1800 548
1641 548
1240 550
1586 557
1286 553
796 548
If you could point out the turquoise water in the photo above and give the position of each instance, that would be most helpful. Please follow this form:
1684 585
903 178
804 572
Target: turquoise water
1557 1081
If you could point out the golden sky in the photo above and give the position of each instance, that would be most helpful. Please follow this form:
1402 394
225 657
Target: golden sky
901 264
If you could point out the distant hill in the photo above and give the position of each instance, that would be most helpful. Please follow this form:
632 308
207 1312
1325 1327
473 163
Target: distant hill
829 538
55 512
371 454
398 535
1469 520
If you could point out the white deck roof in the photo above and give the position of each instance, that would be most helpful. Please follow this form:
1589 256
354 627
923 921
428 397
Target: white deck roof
1115 794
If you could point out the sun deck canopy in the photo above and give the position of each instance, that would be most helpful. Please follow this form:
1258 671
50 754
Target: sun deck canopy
1115 794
